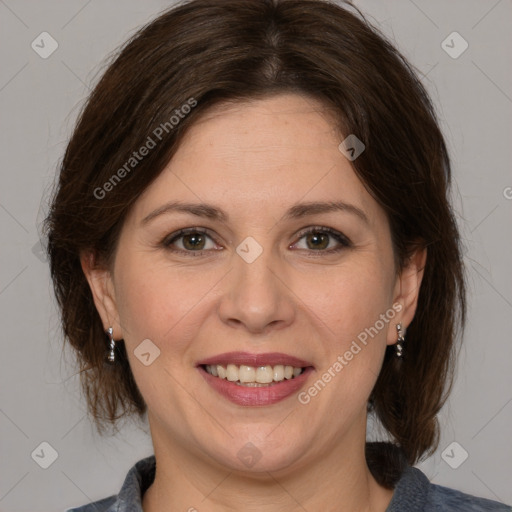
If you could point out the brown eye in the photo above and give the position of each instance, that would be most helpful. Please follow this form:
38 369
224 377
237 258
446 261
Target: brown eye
191 240
319 239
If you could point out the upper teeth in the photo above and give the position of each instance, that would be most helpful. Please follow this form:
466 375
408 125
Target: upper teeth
260 374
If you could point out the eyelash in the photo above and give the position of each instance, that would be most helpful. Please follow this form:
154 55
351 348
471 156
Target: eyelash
342 239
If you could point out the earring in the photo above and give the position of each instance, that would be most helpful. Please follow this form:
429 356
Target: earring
111 357
400 340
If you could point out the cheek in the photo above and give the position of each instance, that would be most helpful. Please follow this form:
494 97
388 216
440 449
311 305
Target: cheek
158 301
352 308
142 303
349 299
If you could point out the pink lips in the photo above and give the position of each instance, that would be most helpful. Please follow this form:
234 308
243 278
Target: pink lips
270 358
256 396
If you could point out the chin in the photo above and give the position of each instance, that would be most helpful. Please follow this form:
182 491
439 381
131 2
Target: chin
254 458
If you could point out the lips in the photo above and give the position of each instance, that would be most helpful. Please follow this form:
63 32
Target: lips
256 394
248 359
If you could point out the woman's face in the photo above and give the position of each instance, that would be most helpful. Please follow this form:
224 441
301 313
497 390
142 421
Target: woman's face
253 285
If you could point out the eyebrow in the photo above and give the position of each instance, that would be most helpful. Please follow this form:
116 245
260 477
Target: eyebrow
295 212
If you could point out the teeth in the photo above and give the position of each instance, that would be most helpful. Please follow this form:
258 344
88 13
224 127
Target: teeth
232 372
278 372
250 375
245 373
265 374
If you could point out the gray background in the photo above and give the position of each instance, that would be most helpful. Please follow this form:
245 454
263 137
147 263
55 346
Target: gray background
39 394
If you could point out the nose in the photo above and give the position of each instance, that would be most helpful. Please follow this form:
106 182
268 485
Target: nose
257 296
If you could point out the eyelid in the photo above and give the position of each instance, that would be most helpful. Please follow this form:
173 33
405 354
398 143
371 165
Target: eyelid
325 229
169 239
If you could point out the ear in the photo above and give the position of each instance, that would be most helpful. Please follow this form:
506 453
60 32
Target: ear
407 289
103 292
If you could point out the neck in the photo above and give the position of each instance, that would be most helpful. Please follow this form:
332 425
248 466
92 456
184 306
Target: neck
340 476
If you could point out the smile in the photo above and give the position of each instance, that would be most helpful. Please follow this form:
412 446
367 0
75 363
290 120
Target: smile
252 376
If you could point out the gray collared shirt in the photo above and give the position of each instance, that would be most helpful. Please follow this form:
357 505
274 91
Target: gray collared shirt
412 493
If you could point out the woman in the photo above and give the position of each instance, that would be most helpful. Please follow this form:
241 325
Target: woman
251 242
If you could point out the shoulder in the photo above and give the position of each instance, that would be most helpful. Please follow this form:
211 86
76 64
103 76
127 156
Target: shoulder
415 493
443 498
138 479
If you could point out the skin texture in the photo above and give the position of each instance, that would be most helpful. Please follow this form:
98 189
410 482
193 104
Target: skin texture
255 160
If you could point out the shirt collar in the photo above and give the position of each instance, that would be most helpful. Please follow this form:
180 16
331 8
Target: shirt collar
138 479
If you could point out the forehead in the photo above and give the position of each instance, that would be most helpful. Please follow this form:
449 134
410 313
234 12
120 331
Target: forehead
250 155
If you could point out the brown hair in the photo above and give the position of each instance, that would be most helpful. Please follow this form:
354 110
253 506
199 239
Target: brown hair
208 52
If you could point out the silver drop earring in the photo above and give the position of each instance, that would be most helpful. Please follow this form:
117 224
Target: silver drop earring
111 357
400 340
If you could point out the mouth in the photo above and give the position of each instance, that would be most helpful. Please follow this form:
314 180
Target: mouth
251 376
255 379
